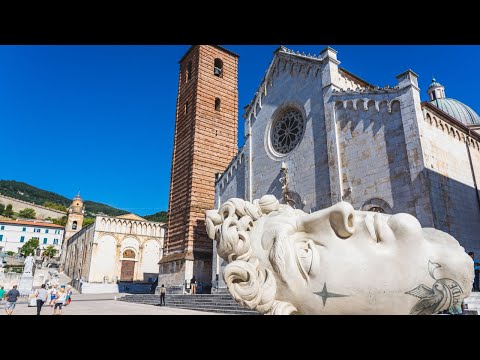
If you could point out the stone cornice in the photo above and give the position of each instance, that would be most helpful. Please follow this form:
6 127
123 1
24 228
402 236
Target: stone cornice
451 120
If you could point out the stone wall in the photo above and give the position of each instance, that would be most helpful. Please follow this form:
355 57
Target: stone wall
456 207
41 211
373 157
290 87
7 280
76 261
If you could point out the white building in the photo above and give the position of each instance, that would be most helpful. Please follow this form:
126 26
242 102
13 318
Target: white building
14 233
125 248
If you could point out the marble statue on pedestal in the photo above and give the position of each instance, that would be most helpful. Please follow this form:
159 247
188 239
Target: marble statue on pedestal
29 262
336 260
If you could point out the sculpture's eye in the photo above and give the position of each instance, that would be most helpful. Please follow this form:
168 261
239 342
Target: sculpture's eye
304 257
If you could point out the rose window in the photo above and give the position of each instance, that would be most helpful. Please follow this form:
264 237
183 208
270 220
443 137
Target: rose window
287 131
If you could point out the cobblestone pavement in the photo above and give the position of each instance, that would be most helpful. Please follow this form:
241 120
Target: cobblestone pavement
101 304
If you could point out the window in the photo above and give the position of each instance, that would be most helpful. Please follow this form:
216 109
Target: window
189 71
36 230
217 104
218 67
22 238
1 237
2 227
46 231
186 108
377 209
434 95
74 225
129 254
55 241
45 240
287 131
24 229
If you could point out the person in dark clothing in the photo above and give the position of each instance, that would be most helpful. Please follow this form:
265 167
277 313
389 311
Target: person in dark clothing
163 291
476 267
12 297
193 285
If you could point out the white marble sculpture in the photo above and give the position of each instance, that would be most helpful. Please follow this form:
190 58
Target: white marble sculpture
336 261
28 269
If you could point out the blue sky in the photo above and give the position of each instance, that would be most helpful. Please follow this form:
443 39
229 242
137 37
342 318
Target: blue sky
101 118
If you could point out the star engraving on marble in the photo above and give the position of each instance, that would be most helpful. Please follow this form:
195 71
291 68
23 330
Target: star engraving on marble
324 294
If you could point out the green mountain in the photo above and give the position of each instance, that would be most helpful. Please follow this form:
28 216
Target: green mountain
161 216
25 192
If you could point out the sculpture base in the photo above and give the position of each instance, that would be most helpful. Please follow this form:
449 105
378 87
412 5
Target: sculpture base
26 285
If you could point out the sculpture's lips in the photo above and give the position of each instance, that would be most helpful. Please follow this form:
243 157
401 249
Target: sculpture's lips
375 224
371 225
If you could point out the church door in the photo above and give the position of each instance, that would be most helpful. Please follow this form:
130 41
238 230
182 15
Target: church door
128 268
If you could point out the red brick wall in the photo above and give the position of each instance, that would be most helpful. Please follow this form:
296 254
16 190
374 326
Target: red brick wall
205 143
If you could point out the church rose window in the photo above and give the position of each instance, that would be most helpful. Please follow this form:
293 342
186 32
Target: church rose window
287 131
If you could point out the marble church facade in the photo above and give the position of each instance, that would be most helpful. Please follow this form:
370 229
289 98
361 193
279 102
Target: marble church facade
340 138
122 248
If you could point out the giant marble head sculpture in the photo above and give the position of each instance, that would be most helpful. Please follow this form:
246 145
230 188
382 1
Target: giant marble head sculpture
336 261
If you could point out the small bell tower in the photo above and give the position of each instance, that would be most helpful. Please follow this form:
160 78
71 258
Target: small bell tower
75 215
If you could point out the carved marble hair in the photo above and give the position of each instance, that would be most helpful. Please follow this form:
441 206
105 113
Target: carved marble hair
250 283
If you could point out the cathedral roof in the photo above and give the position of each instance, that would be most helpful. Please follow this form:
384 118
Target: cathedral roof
131 217
457 110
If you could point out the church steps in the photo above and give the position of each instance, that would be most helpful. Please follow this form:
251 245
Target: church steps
201 302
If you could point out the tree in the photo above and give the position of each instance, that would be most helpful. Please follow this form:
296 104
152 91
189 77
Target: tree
161 216
27 213
2 209
8 211
50 251
54 206
10 253
87 221
62 221
29 247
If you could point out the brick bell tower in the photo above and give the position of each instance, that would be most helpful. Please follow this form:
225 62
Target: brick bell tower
205 143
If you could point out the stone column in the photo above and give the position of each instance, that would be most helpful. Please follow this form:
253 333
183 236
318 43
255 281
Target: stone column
329 79
138 265
119 263
412 119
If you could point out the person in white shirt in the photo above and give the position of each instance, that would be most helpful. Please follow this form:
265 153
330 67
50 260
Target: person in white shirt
53 294
41 295
60 299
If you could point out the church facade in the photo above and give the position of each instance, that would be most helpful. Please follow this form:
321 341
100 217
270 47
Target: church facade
316 134
124 248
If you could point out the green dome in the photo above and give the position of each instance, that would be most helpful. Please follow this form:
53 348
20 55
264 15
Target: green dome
457 110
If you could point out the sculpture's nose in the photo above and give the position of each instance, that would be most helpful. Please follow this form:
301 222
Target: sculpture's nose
340 217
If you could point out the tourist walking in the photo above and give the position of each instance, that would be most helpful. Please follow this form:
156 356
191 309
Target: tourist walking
193 285
2 293
59 301
163 291
53 294
12 297
68 298
42 296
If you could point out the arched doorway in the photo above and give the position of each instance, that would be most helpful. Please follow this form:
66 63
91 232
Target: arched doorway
128 265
